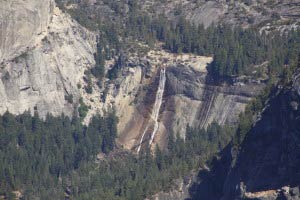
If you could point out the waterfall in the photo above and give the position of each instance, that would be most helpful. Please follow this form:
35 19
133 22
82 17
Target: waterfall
156 108
158 102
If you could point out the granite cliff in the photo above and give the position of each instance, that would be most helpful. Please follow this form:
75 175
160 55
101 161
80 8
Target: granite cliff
266 165
23 24
42 70
264 14
190 97
43 57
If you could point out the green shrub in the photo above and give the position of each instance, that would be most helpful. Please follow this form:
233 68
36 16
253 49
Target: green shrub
82 109
69 98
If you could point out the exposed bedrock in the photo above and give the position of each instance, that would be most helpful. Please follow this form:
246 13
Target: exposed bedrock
189 99
22 24
268 165
42 67
44 54
192 99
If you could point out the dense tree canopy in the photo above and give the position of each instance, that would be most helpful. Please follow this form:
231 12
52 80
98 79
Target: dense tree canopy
236 51
55 158
36 154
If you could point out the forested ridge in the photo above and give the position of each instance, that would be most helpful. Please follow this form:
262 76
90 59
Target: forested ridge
56 158
36 155
236 51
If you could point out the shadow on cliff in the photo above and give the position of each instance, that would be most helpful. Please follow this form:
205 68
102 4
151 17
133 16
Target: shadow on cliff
270 154
210 182
269 157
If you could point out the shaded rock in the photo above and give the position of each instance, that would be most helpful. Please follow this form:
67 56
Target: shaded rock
266 167
270 154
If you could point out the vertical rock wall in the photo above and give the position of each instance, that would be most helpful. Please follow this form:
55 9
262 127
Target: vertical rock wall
44 55
22 24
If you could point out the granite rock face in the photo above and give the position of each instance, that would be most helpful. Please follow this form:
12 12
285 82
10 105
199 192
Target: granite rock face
189 99
266 15
43 61
22 25
195 100
44 54
179 191
268 165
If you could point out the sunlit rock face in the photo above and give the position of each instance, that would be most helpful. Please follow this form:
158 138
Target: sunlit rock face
44 54
192 99
22 24
189 98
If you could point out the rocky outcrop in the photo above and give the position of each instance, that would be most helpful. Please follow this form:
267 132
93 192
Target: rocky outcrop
45 54
269 15
190 98
265 14
266 165
22 25
123 95
179 191
208 13
270 156
42 70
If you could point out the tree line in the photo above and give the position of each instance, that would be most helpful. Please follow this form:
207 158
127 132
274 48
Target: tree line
128 176
55 159
35 154
236 51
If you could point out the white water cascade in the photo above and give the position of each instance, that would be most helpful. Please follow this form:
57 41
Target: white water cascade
156 108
